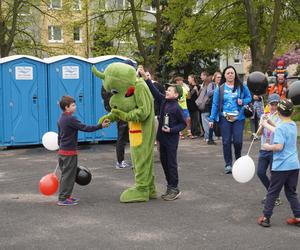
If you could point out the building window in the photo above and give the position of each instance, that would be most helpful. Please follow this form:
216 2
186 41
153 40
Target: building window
77 5
237 61
149 8
56 4
55 34
77 35
121 4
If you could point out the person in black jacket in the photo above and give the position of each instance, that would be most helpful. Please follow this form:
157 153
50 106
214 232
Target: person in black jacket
192 107
122 136
171 122
68 127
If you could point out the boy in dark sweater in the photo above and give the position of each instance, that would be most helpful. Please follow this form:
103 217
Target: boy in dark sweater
171 122
68 127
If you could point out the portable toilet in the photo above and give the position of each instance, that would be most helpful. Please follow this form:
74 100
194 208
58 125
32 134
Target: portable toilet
23 98
101 63
1 105
70 75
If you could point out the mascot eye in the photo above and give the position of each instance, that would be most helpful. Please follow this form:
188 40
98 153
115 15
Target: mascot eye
114 91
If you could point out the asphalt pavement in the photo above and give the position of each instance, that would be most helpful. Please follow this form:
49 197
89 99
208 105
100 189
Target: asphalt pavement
213 212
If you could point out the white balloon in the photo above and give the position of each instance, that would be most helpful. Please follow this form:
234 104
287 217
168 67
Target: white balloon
243 169
50 140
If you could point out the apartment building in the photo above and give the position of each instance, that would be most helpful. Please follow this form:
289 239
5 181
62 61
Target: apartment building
64 28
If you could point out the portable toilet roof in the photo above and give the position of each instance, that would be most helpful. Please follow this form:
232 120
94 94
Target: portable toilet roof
24 99
108 57
63 57
16 57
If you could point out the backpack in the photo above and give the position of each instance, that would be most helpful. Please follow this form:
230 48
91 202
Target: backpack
202 99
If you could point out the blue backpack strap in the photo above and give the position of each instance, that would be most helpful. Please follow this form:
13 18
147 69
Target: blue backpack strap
221 97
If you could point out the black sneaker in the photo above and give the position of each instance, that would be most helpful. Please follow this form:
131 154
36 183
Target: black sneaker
166 193
228 169
211 143
263 221
172 195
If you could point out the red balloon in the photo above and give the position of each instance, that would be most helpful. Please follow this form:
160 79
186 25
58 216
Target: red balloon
48 184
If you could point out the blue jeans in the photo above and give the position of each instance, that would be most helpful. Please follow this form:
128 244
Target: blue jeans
265 160
205 121
232 132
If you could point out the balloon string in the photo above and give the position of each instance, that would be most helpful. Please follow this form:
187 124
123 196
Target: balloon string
56 168
254 137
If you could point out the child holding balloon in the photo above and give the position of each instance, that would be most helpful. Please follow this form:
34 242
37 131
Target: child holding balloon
266 157
285 167
68 127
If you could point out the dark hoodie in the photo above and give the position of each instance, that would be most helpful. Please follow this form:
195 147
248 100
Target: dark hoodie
176 120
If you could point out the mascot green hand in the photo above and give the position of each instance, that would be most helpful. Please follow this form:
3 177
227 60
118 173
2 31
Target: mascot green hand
120 114
111 117
132 101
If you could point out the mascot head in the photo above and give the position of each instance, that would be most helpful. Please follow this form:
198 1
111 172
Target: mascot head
120 80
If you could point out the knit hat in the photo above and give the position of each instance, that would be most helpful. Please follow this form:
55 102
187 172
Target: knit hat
285 107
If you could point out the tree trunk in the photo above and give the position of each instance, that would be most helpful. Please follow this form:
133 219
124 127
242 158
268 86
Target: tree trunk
138 37
158 17
6 44
271 42
261 53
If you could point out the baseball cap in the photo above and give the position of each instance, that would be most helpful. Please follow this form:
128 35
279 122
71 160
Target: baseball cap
273 98
285 107
178 87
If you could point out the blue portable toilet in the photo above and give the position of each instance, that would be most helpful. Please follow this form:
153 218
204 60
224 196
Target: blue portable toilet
70 75
1 105
101 63
23 98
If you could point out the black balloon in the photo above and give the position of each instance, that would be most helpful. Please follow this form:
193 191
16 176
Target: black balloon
257 83
83 176
293 92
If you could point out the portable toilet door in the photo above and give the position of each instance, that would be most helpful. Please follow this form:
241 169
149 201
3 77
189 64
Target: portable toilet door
1 106
24 91
70 75
101 64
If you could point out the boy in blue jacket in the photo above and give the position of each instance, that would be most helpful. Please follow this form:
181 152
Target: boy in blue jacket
171 122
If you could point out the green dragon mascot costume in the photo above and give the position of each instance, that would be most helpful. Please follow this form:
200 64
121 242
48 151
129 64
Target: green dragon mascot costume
132 101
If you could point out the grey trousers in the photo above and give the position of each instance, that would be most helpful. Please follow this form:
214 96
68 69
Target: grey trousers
68 167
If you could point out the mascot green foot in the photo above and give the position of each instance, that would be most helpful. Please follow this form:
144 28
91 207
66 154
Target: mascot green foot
134 195
152 193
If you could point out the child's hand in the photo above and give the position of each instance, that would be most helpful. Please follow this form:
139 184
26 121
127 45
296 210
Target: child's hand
239 101
211 124
142 72
264 123
266 146
166 129
105 123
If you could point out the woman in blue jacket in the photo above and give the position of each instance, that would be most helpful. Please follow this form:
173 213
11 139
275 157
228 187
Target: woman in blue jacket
228 109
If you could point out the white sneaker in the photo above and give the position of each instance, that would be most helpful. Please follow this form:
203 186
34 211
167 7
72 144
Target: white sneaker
122 165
